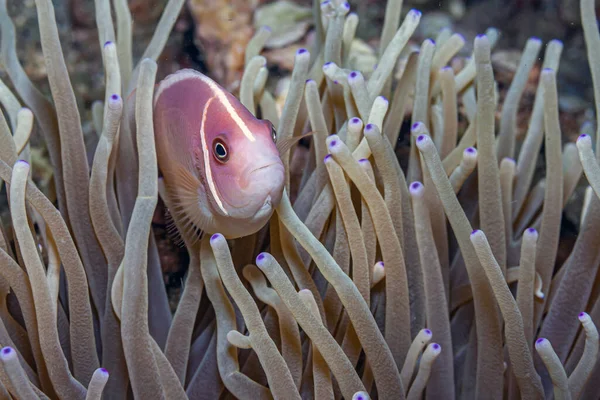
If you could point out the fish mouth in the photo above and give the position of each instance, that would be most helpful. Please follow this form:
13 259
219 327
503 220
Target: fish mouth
246 179
263 167
259 192
266 209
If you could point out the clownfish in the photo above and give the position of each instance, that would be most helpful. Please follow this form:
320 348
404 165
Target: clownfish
220 164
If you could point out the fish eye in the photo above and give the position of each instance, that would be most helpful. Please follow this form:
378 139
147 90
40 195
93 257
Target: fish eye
220 150
273 134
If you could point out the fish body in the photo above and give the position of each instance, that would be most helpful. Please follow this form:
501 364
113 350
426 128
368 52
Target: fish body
220 165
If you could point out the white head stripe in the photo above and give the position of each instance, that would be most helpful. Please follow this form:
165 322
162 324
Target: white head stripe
206 153
232 112
217 91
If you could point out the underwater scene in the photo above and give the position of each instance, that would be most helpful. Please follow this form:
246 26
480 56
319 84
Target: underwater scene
299 199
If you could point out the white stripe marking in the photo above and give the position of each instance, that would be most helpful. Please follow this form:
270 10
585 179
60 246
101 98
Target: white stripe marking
217 91
228 106
206 153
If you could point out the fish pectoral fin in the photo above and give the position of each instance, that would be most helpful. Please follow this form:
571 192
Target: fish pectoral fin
184 206
173 232
171 227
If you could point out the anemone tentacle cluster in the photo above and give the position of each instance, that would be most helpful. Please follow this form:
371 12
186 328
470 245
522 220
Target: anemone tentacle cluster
370 280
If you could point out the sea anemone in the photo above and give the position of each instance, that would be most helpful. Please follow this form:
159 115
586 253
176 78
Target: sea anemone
370 280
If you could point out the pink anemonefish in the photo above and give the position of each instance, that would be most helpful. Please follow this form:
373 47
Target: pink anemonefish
220 165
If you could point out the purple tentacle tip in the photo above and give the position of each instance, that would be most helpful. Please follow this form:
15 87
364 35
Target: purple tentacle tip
6 351
581 314
421 138
107 43
336 82
415 125
302 51
369 127
114 97
428 331
547 70
260 257
470 150
332 143
328 63
363 160
215 236
355 120
346 5
481 36
474 231
583 136
531 230
415 185
359 397
436 346
104 370
327 157
353 74
540 340
309 80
